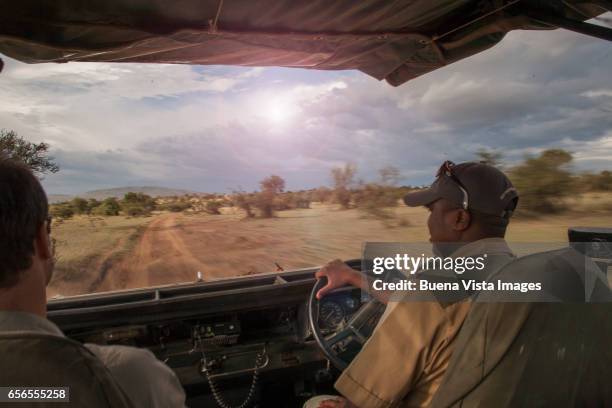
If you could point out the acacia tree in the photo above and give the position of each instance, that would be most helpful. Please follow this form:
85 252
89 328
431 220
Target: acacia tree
270 188
34 155
274 184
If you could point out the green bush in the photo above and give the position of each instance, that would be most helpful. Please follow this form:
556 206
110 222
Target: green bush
138 200
63 211
134 210
79 205
108 207
543 181
375 200
137 204
91 204
177 206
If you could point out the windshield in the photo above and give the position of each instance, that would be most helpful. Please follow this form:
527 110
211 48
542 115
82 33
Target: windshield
169 174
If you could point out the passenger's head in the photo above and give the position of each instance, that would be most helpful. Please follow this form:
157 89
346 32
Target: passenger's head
467 202
25 245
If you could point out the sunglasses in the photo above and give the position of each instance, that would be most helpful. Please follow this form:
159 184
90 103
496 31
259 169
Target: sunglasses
446 169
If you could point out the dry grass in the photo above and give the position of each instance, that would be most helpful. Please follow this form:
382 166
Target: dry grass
593 202
176 246
85 244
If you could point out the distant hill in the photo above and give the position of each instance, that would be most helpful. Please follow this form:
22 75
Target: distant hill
58 198
120 192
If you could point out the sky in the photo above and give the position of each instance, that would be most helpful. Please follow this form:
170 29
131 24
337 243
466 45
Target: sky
221 129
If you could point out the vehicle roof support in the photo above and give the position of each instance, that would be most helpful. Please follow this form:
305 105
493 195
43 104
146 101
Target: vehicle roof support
592 30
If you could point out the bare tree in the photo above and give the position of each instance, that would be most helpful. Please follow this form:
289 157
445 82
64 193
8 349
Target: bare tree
243 201
343 178
389 176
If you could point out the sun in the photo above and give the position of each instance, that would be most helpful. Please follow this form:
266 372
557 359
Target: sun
279 110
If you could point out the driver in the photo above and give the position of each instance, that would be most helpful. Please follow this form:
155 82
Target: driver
26 267
403 362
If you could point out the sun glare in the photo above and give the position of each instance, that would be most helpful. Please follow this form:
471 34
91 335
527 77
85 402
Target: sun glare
279 111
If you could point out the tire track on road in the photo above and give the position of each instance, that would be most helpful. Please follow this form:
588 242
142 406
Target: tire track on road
160 257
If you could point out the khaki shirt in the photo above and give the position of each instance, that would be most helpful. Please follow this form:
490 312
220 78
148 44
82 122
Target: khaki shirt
146 381
403 362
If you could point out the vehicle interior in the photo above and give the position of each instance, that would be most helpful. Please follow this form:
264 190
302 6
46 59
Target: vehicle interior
265 340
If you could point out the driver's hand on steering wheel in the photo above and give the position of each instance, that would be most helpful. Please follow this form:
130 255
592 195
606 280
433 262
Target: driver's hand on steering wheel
338 274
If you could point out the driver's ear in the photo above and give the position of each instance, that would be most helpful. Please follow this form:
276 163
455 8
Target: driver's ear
462 220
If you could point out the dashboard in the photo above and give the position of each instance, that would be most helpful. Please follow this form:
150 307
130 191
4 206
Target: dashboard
230 342
225 334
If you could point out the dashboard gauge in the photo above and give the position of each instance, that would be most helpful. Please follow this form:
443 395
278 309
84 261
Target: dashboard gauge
331 314
351 303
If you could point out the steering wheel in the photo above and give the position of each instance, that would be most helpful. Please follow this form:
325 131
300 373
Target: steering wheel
359 328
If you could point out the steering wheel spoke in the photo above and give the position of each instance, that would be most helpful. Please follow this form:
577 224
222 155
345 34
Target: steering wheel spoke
357 329
338 336
357 335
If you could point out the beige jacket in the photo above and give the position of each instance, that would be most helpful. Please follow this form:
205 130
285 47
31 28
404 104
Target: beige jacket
403 362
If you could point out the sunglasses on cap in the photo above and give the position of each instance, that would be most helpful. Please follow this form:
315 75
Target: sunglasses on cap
446 169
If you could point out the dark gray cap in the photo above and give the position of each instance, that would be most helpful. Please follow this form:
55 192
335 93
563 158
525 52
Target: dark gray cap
488 189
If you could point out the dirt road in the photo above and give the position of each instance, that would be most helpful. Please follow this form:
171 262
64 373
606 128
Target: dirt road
172 248
159 257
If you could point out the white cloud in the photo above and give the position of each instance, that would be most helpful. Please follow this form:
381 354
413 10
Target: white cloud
597 150
81 106
212 128
598 93
124 80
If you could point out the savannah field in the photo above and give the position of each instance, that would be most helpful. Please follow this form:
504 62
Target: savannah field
97 254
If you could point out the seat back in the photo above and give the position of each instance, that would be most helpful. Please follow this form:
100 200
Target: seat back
535 354
39 360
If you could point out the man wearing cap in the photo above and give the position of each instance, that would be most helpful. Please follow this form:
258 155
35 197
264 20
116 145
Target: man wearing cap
403 362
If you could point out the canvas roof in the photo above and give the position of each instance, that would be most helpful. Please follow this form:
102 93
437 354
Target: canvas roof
391 40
